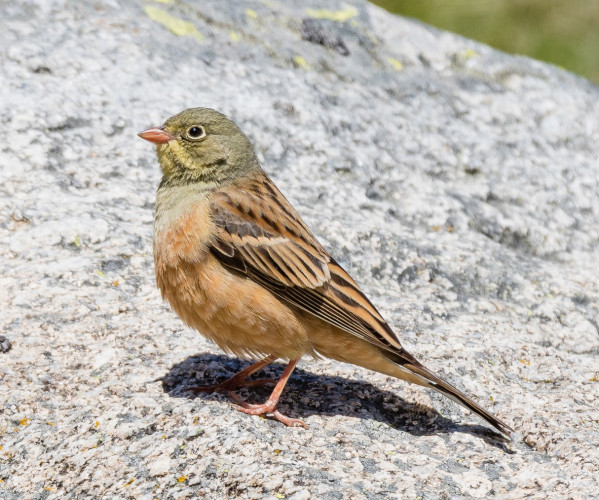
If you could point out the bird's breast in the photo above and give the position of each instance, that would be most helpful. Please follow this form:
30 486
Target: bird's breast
183 228
241 316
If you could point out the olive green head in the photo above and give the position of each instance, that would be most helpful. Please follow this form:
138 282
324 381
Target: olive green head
201 145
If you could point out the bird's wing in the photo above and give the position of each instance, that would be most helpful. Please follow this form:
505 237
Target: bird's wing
260 235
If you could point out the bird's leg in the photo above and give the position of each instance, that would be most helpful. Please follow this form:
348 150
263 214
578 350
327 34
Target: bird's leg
271 402
239 379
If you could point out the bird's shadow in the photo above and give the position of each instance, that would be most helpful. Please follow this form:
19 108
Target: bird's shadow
307 394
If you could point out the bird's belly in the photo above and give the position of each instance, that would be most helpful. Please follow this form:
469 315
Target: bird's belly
241 316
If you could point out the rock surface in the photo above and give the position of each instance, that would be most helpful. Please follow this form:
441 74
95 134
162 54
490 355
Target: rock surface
459 185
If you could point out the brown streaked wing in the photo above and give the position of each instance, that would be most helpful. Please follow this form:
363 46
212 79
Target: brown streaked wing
268 236
346 291
262 236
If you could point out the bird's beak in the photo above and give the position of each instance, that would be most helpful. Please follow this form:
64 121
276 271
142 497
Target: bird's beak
157 135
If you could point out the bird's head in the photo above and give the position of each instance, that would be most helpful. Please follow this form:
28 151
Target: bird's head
201 145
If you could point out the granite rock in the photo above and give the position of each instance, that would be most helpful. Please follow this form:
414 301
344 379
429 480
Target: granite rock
458 184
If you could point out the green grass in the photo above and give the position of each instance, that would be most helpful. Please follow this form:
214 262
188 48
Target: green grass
562 32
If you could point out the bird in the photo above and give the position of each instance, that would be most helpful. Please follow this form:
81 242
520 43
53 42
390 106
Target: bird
236 262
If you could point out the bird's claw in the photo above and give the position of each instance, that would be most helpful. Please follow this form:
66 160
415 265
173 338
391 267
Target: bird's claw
267 408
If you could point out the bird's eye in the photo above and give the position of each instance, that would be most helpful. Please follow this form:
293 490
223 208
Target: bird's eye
196 132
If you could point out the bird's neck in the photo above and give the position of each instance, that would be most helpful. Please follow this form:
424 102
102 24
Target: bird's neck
173 202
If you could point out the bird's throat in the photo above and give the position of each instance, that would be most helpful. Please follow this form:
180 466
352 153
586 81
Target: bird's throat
180 168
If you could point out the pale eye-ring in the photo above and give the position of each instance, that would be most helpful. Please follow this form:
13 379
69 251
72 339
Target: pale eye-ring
196 132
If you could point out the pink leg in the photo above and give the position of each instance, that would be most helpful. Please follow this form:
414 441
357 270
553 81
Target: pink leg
271 403
239 380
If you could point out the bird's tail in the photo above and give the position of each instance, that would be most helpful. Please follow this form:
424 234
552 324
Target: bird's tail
423 376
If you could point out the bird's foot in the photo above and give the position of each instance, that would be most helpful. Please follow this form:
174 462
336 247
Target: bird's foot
268 408
288 421
239 379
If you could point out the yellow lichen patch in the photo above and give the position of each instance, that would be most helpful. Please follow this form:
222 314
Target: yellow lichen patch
178 26
301 62
340 15
100 273
470 53
525 362
235 36
77 241
251 13
396 63
25 421
128 482
181 479
164 1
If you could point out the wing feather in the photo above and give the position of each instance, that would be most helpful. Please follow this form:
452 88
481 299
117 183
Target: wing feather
263 237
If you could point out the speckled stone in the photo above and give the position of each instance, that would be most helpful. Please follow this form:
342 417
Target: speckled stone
458 184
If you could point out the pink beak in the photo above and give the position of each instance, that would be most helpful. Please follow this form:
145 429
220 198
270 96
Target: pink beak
157 135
